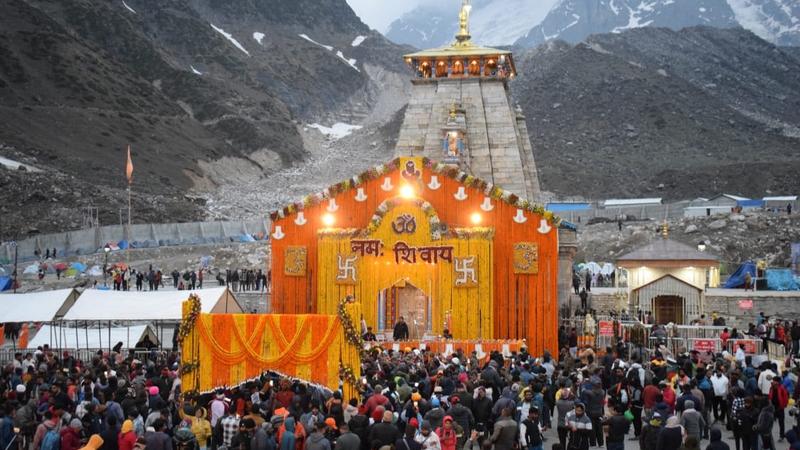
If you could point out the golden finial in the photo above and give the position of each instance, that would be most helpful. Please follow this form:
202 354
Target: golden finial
665 230
453 110
463 37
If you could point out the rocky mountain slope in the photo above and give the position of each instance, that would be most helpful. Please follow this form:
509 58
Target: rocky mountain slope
657 112
203 90
732 238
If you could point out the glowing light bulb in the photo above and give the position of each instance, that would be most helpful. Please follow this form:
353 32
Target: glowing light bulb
476 218
406 191
328 219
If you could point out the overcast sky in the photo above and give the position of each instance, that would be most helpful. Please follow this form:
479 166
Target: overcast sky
378 14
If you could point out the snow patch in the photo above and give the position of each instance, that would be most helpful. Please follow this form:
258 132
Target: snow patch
635 17
760 18
195 71
662 72
15 165
350 61
598 48
259 37
326 47
128 7
337 130
702 10
358 41
230 37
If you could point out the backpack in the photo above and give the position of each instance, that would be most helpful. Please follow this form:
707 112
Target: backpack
51 440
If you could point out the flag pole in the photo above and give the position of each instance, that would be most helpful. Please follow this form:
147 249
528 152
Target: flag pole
129 176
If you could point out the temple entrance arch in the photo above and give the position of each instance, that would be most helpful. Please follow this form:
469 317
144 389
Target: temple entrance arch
413 304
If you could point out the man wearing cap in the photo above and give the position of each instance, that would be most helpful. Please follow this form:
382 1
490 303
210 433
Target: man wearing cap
530 437
427 438
71 435
461 415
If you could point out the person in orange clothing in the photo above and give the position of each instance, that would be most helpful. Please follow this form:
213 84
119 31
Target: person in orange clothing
127 437
669 394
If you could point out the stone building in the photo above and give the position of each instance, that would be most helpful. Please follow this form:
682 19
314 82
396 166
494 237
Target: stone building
461 112
669 279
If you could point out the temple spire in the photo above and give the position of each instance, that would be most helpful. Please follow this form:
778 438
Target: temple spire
463 37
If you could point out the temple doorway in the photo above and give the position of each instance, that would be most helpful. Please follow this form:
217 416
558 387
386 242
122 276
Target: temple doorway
668 308
405 300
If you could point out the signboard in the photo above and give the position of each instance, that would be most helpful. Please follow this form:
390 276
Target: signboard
606 327
746 304
750 345
705 345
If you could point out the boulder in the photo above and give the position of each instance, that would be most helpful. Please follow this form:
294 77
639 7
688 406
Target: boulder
718 224
690 229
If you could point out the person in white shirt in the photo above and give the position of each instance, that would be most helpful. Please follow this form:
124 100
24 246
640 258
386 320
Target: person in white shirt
765 380
720 384
740 357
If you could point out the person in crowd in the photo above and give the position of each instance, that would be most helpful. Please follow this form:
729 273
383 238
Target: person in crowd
400 330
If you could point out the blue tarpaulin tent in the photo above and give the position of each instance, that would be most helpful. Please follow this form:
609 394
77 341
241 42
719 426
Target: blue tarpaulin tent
123 245
80 267
5 283
736 280
781 280
246 238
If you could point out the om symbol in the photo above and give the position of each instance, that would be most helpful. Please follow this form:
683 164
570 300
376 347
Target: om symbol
405 223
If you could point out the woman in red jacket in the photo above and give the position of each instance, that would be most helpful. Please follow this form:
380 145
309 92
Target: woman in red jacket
448 435
127 437
71 435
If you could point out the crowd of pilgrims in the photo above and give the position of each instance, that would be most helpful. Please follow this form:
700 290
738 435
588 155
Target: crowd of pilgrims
411 400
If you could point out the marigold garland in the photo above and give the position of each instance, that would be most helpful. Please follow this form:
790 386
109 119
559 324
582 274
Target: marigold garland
454 173
355 339
187 324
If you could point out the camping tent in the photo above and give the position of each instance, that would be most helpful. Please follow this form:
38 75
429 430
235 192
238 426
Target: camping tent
96 304
44 306
6 283
80 267
736 280
92 338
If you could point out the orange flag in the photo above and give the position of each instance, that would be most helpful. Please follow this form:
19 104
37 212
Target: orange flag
23 336
129 166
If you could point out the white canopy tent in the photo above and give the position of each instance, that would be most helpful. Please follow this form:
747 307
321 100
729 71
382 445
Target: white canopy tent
95 304
44 306
92 338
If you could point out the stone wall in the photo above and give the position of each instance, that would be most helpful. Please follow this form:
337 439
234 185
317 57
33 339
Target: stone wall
498 143
785 307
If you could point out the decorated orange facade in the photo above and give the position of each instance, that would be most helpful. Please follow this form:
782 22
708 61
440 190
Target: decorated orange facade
422 240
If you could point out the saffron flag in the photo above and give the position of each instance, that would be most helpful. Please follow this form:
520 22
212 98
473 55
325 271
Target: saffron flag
129 166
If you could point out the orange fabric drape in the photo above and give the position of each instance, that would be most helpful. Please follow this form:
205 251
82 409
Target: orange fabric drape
228 349
24 335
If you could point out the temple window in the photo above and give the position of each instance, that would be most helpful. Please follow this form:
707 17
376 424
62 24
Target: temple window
458 68
425 69
441 69
474 68
491 67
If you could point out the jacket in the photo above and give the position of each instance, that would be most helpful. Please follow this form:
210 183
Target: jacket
505 434
317 441
70 439
765 420
348 441
462 416
693 422
781 393
385 433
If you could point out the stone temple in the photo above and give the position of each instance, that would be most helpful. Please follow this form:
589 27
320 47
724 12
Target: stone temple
460 112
